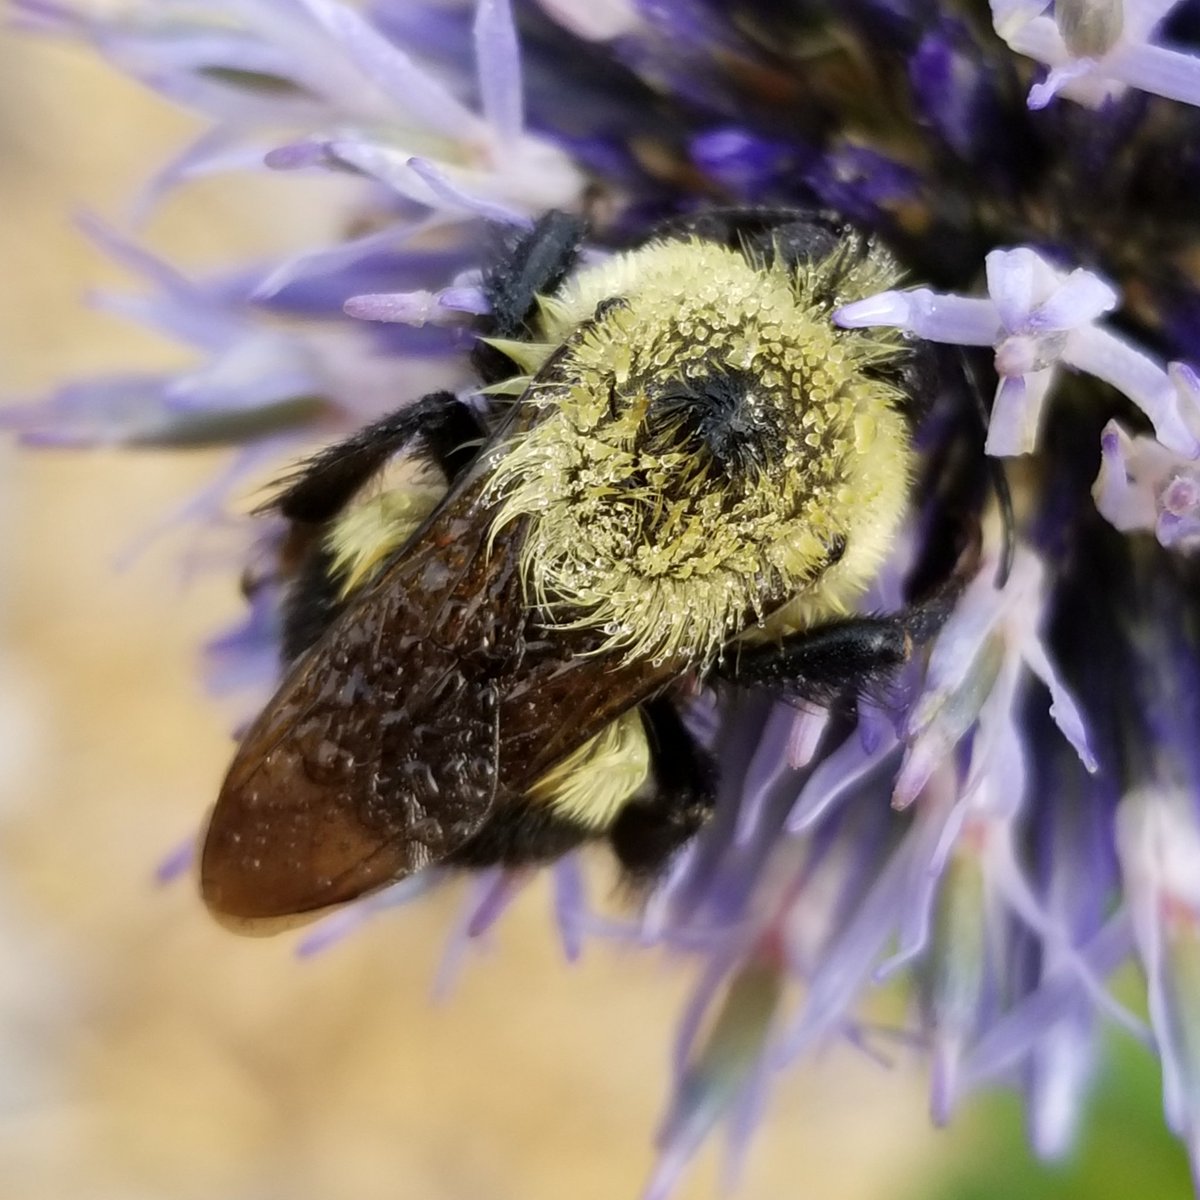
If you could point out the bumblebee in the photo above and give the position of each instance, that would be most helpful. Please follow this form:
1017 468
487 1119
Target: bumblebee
682 472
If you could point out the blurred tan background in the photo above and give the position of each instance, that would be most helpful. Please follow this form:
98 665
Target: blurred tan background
144 1052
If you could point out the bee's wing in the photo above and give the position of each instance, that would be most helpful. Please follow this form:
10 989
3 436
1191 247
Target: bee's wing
379 753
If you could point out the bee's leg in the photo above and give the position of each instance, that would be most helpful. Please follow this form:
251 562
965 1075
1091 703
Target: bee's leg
535 262
821 663
855 655
449 430
648 831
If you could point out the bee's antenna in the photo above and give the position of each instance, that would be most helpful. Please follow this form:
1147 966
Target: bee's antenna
999 478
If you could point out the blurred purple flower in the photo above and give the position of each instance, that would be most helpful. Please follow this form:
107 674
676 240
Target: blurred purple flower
1159 839
974 671
1097 48
1143 485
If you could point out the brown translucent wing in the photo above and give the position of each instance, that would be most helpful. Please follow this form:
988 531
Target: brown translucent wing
378 754
433 699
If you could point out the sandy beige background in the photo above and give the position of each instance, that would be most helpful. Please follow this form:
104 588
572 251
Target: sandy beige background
145 1052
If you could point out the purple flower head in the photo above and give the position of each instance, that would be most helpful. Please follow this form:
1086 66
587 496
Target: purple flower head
1036 317
956 92
1142 485
1011 814
974 672
1098 48
1159 840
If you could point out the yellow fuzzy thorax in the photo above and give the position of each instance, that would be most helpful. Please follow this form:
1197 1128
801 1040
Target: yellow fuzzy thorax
632 530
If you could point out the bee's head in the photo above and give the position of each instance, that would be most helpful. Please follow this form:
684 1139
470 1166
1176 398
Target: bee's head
709 444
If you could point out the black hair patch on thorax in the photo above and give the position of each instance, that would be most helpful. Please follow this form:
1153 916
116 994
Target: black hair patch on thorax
720 413
792 236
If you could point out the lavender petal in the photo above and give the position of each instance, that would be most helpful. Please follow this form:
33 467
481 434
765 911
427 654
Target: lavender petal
498 64
410 88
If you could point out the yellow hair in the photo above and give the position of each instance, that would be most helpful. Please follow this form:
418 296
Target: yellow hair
592 784
364 536
629 530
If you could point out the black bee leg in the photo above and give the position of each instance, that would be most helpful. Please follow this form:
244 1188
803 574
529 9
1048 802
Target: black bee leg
534 262
820 663
311 601
860 653
648 831
449 430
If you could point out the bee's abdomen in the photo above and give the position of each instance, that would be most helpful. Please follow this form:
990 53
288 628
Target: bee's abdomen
519 834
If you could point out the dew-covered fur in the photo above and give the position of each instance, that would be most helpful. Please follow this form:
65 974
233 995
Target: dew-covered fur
631 529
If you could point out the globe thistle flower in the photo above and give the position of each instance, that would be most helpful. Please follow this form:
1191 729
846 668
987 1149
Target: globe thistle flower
1097 48
1015 817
